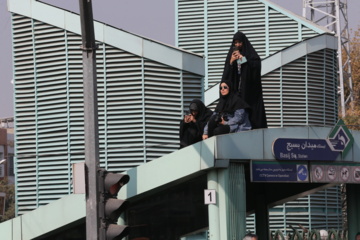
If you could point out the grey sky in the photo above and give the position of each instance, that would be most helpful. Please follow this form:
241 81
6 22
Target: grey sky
149 18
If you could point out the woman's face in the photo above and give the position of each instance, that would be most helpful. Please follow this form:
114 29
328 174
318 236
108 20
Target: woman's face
224 89
238 44
194 113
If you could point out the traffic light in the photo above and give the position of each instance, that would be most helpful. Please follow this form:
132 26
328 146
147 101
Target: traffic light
110 208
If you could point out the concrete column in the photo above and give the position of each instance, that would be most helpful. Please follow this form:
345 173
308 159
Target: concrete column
214 218
227 218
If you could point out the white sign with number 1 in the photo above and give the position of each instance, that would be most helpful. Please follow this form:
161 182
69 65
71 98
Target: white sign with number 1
210 196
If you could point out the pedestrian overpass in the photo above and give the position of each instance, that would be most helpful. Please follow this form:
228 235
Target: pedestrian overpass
215 183
210 187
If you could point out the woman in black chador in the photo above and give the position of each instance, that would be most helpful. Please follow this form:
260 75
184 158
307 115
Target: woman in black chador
243 67
231 113
192 126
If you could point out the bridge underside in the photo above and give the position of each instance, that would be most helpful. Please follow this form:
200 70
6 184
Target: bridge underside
167 194
179 209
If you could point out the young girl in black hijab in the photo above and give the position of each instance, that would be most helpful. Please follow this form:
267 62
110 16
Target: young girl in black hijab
192 126
230 113
243 67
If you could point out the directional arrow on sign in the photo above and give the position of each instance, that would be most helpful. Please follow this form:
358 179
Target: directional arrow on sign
340 138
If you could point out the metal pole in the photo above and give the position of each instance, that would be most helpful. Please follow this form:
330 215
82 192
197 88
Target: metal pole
340 63
335 9
346 47
90 120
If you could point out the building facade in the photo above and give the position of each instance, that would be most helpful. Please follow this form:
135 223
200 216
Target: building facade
7 149
6 167
144 86
299 80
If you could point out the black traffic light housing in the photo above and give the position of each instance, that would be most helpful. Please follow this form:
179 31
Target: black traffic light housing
110 208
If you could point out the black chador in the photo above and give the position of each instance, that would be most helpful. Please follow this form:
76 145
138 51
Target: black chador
247 79
192 132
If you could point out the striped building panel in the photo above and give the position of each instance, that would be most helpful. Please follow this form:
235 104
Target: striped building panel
294 93
190 87
190 18
252 21
302 92
162 91
207 27
140 104
26 111
220 21
321 88
272 93
141 98
323 208
283 32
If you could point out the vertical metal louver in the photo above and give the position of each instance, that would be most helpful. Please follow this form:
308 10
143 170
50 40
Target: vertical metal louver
120 108
52 112
25 111
272 93
302 92
140 104
326 210
163 103
220 29
283 31
307 32
191 21
250 223
321 210
207 27
44 166
191 88
252 21
291 213
75 100
322 91
294 93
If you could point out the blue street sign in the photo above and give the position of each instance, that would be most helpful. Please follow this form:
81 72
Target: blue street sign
303 149
339 141
266 171
302 172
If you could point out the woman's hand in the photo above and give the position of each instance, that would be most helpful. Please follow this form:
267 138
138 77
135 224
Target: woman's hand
205 137
187 118
235 56
222 121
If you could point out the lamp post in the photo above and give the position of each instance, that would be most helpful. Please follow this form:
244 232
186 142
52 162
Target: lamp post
90 120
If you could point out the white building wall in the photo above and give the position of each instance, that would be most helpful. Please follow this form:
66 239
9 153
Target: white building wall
141 100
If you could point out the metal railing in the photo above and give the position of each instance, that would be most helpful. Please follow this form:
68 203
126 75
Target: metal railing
313 234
